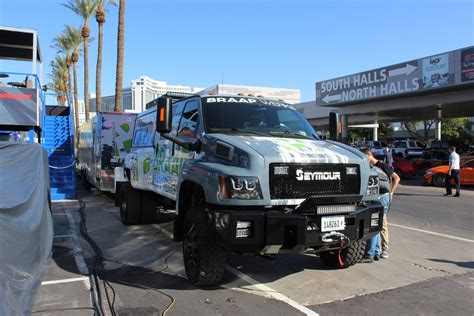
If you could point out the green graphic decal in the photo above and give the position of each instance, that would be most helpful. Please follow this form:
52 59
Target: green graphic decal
127 144
125 127
146 165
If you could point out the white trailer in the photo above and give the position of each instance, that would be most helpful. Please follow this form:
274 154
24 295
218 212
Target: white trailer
104 142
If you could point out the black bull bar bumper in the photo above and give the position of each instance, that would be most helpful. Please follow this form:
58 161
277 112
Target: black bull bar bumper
277 230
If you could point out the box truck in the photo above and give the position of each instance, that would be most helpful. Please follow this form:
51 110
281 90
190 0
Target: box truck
104 142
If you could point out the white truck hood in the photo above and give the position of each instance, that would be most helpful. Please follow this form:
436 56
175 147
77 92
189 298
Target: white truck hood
295 150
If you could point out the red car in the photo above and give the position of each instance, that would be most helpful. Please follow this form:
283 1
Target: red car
403 167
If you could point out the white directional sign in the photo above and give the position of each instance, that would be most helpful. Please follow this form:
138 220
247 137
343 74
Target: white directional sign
406 70
409 77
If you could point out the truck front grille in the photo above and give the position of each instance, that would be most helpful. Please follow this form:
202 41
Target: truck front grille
298 181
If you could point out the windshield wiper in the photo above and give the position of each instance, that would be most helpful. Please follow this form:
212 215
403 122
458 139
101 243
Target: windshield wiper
241 131
287 133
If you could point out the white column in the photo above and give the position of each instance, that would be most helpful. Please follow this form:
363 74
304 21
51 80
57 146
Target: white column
35 52
438 130
376 132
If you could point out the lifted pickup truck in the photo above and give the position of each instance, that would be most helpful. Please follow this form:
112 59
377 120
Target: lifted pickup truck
249 176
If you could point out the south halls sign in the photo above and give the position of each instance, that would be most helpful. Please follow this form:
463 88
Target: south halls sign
447 69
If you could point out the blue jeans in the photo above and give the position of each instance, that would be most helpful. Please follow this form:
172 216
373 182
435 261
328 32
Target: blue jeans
373 245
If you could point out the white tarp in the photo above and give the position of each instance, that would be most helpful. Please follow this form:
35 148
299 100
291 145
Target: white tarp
26 227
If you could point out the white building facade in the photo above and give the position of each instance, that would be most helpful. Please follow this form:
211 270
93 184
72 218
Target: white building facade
290 96
145 89
141 91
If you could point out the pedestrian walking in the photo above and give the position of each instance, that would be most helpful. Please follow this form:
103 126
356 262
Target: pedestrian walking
453 172
377 246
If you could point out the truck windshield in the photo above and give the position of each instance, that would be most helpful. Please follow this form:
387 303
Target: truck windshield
256 117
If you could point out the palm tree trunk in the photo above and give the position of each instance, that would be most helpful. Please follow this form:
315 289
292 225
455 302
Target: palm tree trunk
98 73
76 101
120 49
86 77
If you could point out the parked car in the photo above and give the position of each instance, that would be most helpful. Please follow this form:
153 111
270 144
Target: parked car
461 147
431 158
403 167
378 148
437 175
407 148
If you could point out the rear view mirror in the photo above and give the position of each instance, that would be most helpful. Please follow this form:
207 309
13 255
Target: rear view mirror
164 115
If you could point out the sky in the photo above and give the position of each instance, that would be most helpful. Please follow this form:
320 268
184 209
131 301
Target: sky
275 43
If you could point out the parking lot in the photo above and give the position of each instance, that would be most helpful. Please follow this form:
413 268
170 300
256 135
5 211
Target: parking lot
430 269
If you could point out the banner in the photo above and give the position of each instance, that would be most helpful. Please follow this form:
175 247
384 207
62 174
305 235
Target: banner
18 106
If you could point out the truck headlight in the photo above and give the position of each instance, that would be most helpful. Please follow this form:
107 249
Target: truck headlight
428 173
373 185
239 188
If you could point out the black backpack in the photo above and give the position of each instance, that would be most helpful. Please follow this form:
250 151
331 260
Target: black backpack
385 182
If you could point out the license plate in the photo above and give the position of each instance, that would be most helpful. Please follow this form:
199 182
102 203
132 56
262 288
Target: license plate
332 223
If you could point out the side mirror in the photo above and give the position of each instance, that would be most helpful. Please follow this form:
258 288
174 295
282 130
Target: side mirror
164 115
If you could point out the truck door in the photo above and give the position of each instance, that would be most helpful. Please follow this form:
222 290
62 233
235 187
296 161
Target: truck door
164 152
143 140
174 156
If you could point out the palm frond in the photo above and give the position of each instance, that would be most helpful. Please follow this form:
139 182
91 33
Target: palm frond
59 74
83 8
106 2
61 44
73 36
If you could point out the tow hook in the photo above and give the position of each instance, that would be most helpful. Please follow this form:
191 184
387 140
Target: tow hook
342 239
334 236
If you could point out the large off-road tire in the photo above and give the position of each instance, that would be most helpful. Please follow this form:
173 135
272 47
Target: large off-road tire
349 255
84 182
149 208
130 205
204 259
439 180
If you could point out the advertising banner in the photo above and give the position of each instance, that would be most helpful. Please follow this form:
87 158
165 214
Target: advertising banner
467 65
18 106
436 71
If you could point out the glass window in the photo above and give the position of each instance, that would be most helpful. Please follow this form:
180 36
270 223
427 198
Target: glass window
189 120
259 117
177 112
469 164
145 130
412 144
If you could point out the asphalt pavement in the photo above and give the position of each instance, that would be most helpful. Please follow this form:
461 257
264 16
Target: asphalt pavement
430 270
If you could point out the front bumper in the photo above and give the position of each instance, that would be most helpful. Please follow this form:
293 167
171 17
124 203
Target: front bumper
274 231
428 178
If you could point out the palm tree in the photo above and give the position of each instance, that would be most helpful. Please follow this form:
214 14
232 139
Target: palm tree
74 40
59 76
61 43
120 47
62 46
85 9
100 18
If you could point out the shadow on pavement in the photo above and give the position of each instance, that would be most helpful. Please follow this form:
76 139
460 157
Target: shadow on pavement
137 255
466 264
